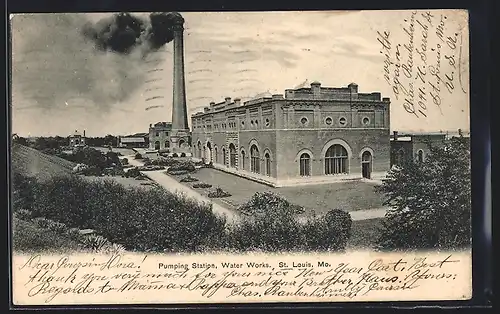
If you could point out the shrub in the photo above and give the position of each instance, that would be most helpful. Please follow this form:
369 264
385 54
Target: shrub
57 227
202 186
138 156
177 172
22 191
152 220
132 173
262 202
189 178
23 214
42 222
167 162
329 232
28 237
95 242
218 193
150 168
183 165
124 161
273 224
175 155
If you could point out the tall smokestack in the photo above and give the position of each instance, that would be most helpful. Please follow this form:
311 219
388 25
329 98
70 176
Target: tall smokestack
180 130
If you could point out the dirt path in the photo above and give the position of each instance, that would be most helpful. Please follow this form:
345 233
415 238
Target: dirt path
172 185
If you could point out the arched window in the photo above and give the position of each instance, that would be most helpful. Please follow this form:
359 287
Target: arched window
336 160
232 155
242 161
157 145
224 156
167 144
267 157
181 143
199 150
254 159
420 156
216 155
305 165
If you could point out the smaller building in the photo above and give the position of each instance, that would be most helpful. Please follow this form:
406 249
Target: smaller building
159 136
415 146
77 139
138 140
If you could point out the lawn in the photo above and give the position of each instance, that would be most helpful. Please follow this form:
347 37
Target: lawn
349 196
364 233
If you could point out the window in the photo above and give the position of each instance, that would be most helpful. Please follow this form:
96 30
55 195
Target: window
420 156
157 145
342 121
303 120
167 144
328 121
254 159
242 124
366 164
366 121
242 163
157 134
267 157
224 155
267 122
232 155
199 150
336 160
216 155
305 165
251 122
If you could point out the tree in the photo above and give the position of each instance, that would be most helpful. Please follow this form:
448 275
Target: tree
430 201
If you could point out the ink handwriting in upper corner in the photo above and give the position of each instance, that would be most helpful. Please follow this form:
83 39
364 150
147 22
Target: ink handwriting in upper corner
460 64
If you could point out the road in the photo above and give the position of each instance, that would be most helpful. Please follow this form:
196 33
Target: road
172 185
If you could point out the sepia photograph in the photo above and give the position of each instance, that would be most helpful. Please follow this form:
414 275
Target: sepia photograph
233 157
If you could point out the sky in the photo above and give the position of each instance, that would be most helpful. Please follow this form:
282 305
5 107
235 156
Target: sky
62 83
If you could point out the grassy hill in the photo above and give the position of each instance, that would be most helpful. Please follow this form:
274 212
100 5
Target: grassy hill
32 162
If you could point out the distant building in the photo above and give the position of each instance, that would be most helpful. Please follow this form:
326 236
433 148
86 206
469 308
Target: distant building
159 136
77 139
134 141
414 145
311 134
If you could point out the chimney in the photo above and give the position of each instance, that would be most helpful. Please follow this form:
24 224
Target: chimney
278 96
228 100
83 133
237 101
316 88
395 135
180 126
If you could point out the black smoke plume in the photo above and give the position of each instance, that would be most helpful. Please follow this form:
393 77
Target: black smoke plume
123 32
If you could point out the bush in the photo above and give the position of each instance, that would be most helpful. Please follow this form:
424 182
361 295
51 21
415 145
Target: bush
28 237
23 214
202 186
329 232
218 193
138 156
189 178
132 173
176 172
124 161
150 168
152 220
166 162
183 165
272 224
95 242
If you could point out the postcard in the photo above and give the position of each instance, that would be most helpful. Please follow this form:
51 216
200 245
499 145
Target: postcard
240 157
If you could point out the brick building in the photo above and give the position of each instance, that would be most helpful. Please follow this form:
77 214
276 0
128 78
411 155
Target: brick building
77 139
309 135
415 146
159 136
